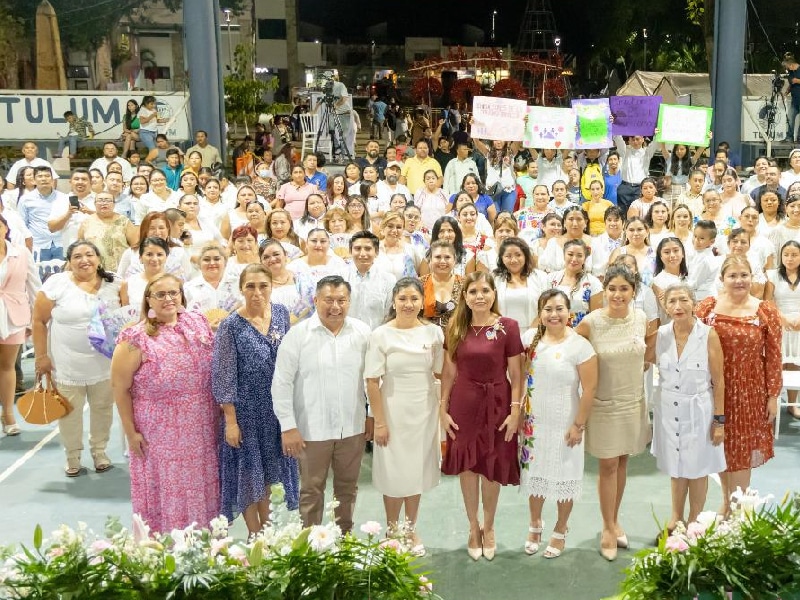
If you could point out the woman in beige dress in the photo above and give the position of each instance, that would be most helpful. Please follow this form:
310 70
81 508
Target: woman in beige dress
618 425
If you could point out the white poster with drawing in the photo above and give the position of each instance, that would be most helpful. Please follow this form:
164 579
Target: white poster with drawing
549 127
498 118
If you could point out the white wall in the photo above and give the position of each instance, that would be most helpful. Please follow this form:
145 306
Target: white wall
272 54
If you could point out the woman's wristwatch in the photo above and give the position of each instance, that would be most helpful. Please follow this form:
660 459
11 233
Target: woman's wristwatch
719 421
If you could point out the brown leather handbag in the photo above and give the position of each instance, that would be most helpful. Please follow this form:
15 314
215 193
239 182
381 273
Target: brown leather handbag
43 404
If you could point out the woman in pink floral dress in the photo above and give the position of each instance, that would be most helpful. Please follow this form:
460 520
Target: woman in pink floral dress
161 375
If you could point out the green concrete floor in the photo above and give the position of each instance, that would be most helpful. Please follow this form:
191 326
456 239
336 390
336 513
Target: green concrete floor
34 490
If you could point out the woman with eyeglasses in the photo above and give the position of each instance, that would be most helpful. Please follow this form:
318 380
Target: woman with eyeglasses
161 371
356 207
112 233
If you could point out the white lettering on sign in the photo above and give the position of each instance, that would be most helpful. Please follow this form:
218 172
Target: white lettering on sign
40 115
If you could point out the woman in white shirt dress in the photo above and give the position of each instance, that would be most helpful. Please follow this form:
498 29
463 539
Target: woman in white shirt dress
688 414
403 358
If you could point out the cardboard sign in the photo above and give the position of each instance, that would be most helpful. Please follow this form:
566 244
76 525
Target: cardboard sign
634 115
549 127
594 123
498 118
687 125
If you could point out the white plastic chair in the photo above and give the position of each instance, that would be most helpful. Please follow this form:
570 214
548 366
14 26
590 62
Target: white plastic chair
49 267
791 381
310 124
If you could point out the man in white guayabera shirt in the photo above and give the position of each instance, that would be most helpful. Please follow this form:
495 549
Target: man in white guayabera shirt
318 397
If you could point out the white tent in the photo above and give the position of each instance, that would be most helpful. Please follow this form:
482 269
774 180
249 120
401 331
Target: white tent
688 88
694 89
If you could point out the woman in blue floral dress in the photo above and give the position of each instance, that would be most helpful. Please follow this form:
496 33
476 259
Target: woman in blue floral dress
251 458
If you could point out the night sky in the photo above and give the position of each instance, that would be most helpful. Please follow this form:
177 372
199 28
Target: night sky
440 18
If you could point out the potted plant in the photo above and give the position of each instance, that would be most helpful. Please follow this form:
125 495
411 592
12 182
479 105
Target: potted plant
283 561
754 553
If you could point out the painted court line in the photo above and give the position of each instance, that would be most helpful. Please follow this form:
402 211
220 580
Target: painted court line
32 452
27 456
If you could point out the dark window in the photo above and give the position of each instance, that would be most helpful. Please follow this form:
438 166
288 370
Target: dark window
272 29
153 73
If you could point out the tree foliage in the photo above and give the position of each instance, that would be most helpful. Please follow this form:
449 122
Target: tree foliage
84 24
11 32
244 94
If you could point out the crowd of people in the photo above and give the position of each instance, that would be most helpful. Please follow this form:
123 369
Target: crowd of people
509 302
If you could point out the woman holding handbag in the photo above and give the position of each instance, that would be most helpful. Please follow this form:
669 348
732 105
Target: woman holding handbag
19 284
61 315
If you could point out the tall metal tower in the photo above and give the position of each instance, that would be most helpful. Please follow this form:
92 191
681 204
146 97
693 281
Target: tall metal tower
538 34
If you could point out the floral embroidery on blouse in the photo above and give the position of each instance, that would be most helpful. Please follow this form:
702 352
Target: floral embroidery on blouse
529 422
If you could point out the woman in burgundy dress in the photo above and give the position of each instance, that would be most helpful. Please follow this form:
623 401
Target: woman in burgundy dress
481 398
750 332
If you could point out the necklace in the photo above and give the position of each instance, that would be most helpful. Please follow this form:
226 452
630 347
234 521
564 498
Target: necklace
481 328
260 323
284 282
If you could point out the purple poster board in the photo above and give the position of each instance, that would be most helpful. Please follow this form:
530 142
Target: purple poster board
634 115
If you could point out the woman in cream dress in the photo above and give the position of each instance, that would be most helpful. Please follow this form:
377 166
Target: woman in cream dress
618 425
404 356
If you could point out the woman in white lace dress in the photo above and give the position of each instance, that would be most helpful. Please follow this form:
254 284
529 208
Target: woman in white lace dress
556 411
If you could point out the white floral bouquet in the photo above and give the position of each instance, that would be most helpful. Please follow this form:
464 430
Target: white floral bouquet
283 561
753 553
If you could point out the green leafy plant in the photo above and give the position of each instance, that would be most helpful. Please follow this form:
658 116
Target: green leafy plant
755 553
244 94
284 561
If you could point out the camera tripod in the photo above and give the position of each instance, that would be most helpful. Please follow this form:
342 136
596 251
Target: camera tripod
331 125
769 111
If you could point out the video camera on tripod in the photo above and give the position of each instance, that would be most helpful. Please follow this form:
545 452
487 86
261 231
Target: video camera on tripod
777 80
330 127
325 83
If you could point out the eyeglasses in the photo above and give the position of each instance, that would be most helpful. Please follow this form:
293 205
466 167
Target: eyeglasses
104 201
163 295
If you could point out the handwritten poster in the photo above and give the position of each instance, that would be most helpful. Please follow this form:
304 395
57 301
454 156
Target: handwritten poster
549 128
594 123
498 118
634 115
684 124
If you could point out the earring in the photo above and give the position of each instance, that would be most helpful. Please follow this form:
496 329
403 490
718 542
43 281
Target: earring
151 314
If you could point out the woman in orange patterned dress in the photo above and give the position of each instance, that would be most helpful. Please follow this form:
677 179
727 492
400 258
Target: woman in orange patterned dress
750 332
